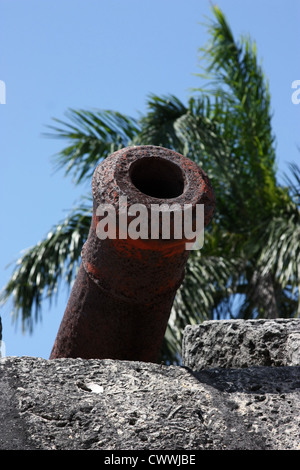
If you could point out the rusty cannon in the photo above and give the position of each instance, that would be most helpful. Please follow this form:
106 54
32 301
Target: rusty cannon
132 265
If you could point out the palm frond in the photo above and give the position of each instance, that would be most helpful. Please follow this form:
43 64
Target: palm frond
93 135
205 287
39 271
293 182
157 126
239 81
281 253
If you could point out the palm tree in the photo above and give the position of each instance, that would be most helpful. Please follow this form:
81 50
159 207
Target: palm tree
249 265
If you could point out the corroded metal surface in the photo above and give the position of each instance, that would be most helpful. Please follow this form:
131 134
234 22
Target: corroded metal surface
123 294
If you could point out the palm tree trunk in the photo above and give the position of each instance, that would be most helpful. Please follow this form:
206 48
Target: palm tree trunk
264 295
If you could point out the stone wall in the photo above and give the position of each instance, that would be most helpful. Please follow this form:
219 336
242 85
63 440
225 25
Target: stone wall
123 405
240 343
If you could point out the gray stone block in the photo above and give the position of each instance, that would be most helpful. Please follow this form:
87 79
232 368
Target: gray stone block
242 343
67 404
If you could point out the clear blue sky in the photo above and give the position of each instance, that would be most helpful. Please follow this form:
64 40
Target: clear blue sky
109 54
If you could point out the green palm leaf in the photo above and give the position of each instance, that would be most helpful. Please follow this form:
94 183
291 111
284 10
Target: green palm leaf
157 126
41 268
281 252
92 136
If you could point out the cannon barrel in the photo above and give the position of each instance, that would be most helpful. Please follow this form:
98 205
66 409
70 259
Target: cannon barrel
131 268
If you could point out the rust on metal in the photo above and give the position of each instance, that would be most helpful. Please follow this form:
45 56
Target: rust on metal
124 291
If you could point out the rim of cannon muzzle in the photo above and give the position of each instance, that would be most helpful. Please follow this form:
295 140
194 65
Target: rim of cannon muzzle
123 294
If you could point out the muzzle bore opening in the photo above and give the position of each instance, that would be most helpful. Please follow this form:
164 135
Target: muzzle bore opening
157 177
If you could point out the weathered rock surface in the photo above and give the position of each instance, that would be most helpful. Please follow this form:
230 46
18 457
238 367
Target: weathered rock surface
122 405
242 343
